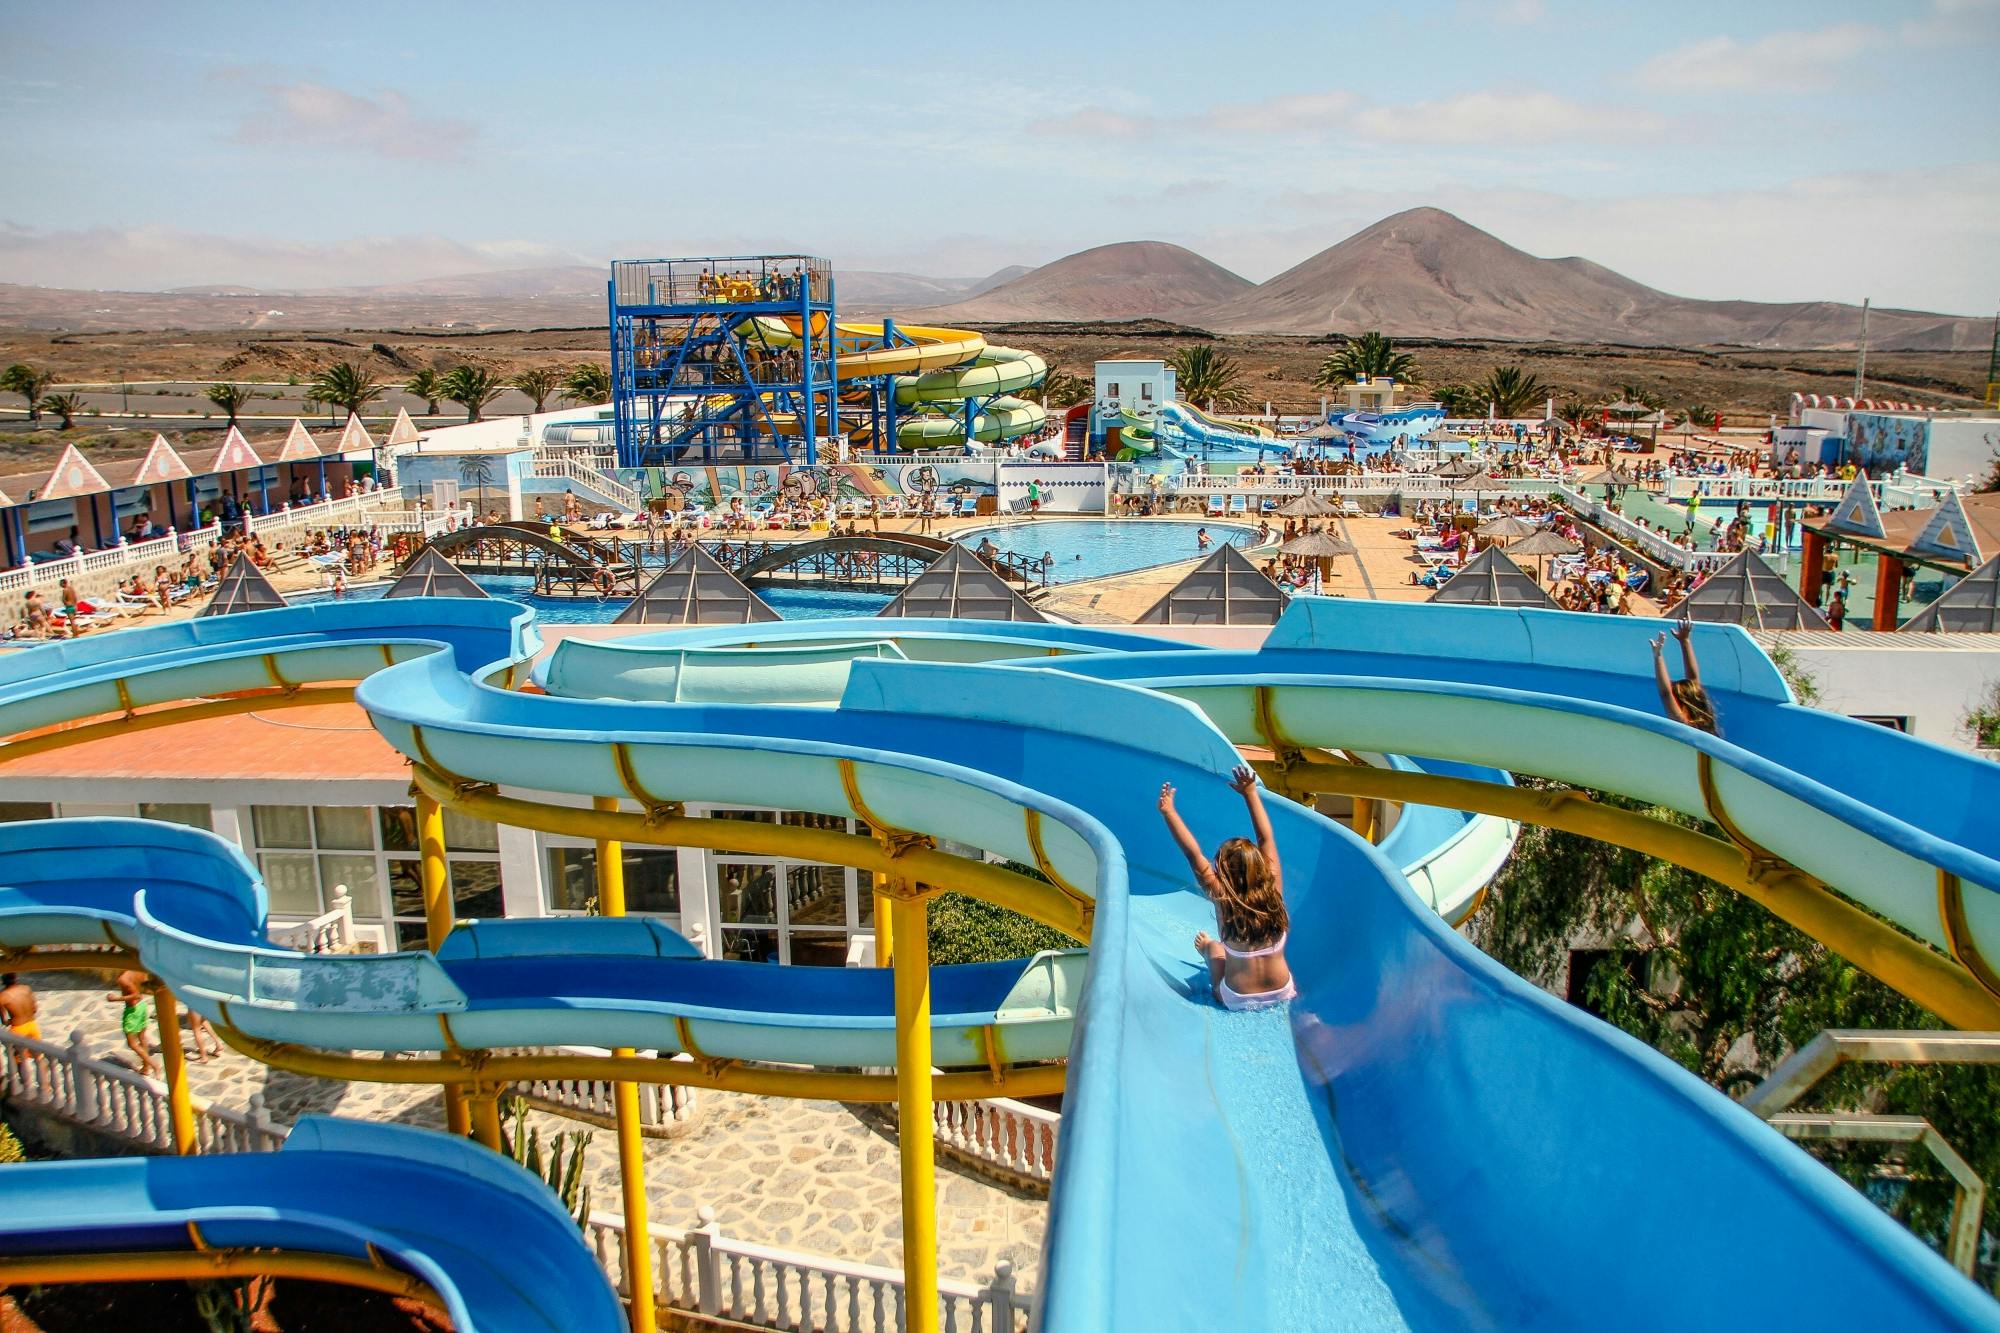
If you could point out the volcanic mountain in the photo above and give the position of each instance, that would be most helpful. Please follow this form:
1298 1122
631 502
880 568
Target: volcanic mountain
1129 280
1425 273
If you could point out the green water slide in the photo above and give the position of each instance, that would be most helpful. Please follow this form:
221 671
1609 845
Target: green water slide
1001 371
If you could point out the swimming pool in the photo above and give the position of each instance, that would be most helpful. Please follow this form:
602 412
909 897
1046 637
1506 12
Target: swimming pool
1087 548
791 603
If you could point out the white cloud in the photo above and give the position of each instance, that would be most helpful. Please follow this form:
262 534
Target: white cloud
1466 118
1724 62
302 113
1514 117
153 258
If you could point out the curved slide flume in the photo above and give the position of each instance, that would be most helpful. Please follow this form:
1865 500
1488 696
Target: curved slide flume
1428 1141
400 1210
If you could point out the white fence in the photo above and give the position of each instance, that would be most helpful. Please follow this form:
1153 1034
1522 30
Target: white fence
332 931
103 1095
1904 491
698 1269
591 478
664 1109
702 1271
96 574
1009 1138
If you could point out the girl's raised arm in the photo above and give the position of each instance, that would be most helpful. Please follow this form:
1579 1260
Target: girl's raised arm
1183 838
1244 779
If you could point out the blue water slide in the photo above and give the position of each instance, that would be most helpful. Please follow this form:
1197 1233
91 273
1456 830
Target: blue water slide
485 1236
1422 1140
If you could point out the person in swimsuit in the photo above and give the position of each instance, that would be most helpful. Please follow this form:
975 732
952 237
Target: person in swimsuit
17 1010
1685 701
137 1012
1246 965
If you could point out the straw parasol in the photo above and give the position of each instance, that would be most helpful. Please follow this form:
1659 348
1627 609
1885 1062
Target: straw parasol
1304 505
1320 546
1325 430
1608 476
1507 528
1463 466
1544 544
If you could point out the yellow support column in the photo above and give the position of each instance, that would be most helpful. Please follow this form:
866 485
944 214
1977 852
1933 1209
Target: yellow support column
885 922
486 1117
625 1096
916 1127
436 877
173 1063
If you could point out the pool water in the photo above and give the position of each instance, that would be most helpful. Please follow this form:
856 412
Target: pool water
1086 548
791 603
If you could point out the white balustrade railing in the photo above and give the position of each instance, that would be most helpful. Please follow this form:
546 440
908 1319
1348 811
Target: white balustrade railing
1639 537
606 485
96 574
1012 1138
1904 490
103 1095
332 931
698 1270
664 1109
372 509
701 1271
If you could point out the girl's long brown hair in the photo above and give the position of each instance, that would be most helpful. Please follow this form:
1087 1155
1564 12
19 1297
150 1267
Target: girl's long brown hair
1248 906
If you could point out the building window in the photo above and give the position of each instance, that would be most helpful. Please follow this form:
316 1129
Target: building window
1111 389
775 910
1146 392
652 880
306 852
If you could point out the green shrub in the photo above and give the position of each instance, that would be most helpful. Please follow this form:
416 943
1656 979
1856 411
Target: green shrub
967 930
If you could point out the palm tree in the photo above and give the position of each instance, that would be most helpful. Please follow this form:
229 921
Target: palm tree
1205 376
1695 417
1059 388
471 387
344 386
28 381
231 398
1634 393
477 470
1459 400
67 406
588 383
1511 390
424 385
538 384
1576 415
1369 355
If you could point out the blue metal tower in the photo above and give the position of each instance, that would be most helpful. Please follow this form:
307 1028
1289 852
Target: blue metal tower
723 358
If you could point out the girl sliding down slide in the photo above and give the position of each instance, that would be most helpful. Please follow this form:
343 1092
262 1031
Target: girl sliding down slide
1246 966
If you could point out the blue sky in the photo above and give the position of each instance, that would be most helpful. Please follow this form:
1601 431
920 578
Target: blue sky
1773 151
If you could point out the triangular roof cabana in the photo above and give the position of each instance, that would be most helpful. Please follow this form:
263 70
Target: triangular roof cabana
1491 579
696 589
960 587
1969 606
1748 592
1225 589
243 588
431 575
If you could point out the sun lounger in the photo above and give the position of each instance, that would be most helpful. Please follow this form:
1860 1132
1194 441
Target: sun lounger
1217 506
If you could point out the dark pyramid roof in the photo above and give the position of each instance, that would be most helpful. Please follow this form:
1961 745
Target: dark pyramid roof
1969 606
1225 589
1491 579
243 588
431 575
960 587
696 589
1748 592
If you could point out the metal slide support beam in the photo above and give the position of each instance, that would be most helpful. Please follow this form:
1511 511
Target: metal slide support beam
1968 1196
1800 1071
173 1063
435 874
1065 910
1908 965
199 1265
916 1122
625 1097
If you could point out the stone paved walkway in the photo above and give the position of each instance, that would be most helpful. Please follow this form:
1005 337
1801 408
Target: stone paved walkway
820 1177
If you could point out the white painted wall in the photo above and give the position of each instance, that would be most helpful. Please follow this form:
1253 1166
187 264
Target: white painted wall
1933 680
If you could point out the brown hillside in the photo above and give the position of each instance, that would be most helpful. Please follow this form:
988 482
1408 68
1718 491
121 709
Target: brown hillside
1426 274
1130 280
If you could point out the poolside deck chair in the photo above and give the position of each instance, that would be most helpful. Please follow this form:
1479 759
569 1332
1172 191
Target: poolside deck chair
1239 505
1217 507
